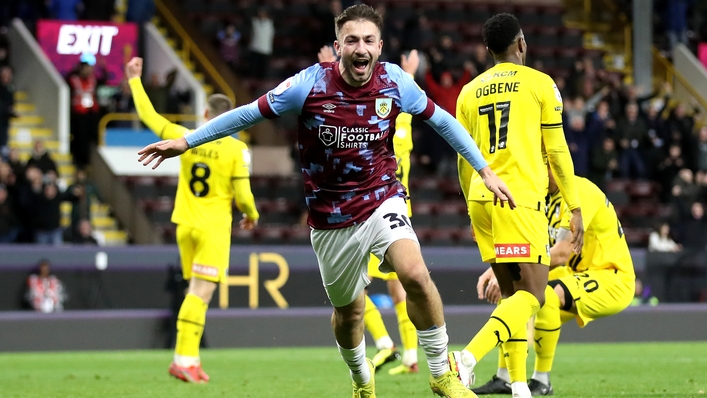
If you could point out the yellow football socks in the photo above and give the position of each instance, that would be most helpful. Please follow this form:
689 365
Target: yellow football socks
374 324
408 334
509 317
516 351
547 331
190 326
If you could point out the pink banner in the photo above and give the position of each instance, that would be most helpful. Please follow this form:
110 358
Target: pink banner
702 53
110 44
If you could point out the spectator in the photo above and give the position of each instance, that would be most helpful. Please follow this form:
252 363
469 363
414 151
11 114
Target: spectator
16 164
30 189
680 125
41 159
45 292
693 231
7 176
684 192
229 42
443 58
99 10
83 234
158 93
578 143
7 106
482 60
9 224
632 133
600 124
261 43
65 10
643 296
660 240
85 110
669 168
140 11
676 22
417 33
122 102
445 92
702 149
604 163
326 35
47 216
4 47
83 193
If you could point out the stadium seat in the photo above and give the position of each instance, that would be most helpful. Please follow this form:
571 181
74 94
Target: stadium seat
241 236
643 190
618 198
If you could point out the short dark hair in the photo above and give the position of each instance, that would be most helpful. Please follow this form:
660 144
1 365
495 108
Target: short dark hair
218 104
357 12
500 31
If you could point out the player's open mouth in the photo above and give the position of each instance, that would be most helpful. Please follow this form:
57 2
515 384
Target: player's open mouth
360 65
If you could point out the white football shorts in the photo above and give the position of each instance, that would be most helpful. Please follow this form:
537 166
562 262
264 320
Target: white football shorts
343 254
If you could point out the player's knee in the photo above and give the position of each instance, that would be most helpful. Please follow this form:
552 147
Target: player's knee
416 281
541 298
348 318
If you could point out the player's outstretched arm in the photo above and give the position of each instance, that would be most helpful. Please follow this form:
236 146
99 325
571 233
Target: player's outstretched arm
147 113
159 151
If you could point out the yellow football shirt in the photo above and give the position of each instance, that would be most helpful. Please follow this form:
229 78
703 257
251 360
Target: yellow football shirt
211 176
605 246
402 146
512 112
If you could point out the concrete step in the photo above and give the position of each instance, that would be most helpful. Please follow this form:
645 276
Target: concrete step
114 238
20 96
27 121
51 145
103 223
100 210
66 170
21 133
25 107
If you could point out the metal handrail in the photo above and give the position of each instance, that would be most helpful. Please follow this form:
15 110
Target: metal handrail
123 117
671 73
190 47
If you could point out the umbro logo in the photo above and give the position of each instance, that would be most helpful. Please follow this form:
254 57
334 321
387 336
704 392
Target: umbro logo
329 108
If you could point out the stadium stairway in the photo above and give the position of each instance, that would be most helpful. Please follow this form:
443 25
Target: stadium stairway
29 127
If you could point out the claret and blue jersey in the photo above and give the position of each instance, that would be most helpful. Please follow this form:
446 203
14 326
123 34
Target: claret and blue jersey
345 136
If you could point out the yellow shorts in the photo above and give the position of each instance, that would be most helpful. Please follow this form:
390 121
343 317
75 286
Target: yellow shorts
204 254
374 272
597 293
510 236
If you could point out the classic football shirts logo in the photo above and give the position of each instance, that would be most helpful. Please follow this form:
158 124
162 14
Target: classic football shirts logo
347 137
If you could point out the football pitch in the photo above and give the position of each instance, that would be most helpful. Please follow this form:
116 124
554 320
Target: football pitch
581 370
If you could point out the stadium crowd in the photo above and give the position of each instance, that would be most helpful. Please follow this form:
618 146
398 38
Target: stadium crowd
614 130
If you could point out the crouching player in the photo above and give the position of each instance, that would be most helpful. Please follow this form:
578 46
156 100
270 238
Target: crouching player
598 282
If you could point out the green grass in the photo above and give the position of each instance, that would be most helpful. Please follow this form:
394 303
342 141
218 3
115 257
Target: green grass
581 370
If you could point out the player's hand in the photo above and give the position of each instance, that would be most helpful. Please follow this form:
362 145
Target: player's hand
577 229
498 187
162 150
487 287
410 63
133 68
247 223
326 54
